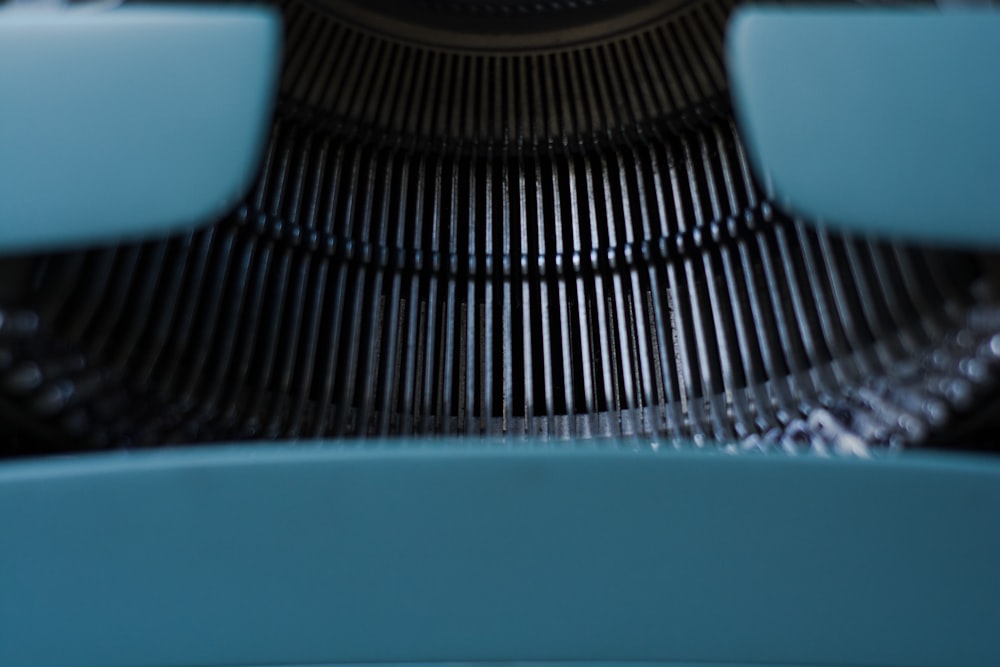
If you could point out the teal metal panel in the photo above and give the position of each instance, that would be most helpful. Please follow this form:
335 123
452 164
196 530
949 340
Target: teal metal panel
303 554
876 121
127 123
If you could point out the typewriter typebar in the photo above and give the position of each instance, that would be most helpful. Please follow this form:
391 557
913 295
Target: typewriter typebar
479 218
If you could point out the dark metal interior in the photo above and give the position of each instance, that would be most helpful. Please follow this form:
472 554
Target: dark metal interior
499 235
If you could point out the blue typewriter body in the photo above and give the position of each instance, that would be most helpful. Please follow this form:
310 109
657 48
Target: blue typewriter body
618 332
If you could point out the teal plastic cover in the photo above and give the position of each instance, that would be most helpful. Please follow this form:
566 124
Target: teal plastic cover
323 554
877 121
130 122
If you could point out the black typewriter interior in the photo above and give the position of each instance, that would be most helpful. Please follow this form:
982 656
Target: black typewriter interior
501 218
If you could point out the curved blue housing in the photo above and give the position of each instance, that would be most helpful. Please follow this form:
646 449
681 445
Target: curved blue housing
876 121
131 122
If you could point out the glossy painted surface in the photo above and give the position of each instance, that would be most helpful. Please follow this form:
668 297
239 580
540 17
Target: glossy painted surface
303 554
131 122
877 121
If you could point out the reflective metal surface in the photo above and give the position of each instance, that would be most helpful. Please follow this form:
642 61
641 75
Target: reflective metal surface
471 241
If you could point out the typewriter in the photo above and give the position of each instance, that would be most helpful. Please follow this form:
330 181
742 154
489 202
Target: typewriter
466 331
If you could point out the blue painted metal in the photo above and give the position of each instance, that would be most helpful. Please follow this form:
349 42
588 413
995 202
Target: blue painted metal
131 122
880 121
307 554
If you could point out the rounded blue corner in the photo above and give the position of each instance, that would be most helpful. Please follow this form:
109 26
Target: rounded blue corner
132 122
876 121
